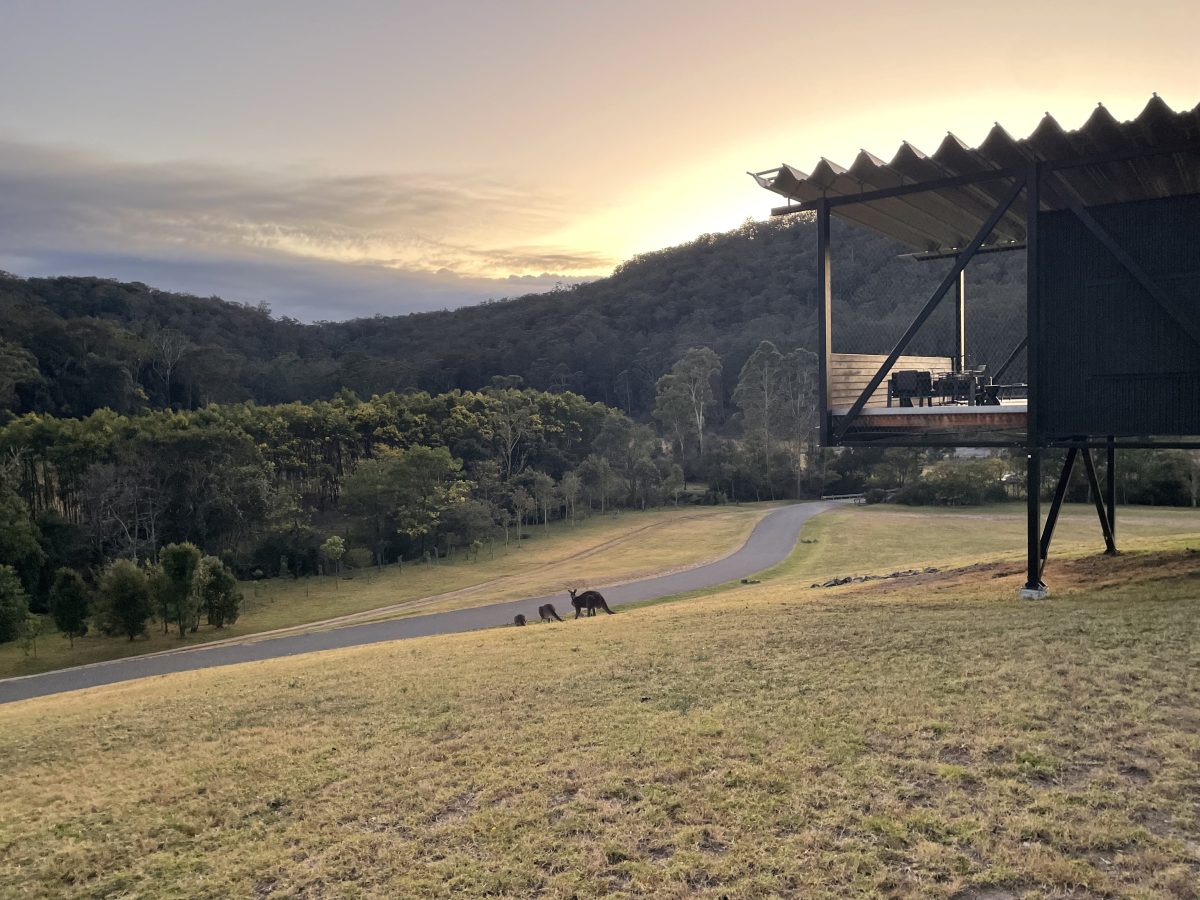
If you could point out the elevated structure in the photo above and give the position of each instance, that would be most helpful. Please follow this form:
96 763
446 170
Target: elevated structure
1109 219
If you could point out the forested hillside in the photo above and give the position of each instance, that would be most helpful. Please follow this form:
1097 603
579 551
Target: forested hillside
69 346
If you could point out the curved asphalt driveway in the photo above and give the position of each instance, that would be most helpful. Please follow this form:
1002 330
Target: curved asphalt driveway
770 542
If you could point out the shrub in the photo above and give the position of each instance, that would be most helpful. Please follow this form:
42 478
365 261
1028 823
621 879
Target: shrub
124 603
69 602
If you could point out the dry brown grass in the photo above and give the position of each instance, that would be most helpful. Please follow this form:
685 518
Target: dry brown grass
925 738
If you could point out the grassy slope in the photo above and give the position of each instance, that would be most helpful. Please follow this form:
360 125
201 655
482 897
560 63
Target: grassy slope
600 550
920 736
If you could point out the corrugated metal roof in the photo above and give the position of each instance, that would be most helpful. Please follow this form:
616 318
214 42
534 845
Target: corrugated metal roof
946 218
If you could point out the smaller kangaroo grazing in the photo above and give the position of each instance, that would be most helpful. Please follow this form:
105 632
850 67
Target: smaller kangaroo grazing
547 612
588 600
519 619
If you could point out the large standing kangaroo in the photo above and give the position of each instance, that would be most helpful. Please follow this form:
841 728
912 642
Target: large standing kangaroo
588 600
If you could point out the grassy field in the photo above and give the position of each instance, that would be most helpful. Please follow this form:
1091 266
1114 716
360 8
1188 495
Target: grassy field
880 539
599 550
930 736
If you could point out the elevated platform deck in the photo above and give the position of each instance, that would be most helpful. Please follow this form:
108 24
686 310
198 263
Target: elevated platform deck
956 424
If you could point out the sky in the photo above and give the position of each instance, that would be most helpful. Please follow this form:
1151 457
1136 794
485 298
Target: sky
358 157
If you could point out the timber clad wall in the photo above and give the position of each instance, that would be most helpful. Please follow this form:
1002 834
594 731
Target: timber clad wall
849 374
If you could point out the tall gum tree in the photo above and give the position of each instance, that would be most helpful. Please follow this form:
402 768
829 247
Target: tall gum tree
683 396
759 396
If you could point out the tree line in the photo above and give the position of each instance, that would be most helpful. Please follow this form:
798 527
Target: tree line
258 491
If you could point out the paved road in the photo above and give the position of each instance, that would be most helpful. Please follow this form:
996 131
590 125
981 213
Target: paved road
770 542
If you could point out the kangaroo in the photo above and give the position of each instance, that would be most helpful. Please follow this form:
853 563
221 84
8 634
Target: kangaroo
588 600
519 619
547 612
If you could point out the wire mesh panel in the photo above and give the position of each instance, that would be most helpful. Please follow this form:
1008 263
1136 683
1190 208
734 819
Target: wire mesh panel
1113 360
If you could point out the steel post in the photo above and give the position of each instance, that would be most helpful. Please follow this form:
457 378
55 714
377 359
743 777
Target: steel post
1034 589
824 323
1060 493
1110 486
960 321
1110 545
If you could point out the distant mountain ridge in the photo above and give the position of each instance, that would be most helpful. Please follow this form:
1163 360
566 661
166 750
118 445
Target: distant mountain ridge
72 345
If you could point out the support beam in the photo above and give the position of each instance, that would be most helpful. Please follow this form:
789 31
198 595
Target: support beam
1125 445
927 310
824 320
1034 589
1060 493
960 321
1110 486
1110 545
930 255
1033 207
1012 357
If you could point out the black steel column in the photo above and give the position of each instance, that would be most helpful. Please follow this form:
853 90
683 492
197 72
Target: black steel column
1110 487
1060 493
1033 480
960 322
1110 545
1033 522
824 314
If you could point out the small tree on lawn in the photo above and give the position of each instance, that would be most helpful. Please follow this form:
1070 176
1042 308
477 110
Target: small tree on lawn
124 603
179 563
69 603
30 633
14 605
158 592
218 593
333 549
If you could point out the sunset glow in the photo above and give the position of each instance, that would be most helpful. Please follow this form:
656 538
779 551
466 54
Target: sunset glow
474 146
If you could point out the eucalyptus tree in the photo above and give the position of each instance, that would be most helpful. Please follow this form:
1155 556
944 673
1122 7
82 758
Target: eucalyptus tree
759 395
683 396
798 393
569 488
544 491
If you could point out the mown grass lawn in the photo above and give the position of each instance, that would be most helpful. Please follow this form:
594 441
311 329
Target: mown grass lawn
920 737
597 550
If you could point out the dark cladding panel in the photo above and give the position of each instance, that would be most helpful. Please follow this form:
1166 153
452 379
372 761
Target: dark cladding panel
1112 360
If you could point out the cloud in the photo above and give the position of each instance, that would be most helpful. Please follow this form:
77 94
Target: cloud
313 247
